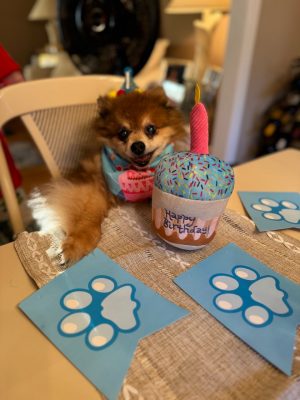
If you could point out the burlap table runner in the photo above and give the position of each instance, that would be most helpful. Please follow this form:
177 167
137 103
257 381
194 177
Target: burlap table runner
196 357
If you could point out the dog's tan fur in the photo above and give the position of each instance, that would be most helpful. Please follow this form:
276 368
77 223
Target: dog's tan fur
74 208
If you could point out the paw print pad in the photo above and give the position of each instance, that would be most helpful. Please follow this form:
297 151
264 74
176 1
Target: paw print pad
283 210
257 298
100 312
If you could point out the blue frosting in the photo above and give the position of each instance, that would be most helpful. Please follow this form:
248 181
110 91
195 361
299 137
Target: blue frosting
194 176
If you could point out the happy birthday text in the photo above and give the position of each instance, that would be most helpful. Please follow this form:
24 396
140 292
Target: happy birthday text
182 223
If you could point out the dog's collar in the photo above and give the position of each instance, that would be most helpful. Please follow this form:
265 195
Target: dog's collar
124 181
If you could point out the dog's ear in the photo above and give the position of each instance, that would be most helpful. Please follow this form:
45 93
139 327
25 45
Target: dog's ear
104 106
160 96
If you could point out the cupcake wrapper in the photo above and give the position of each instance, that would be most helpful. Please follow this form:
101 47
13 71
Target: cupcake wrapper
203 209
188 224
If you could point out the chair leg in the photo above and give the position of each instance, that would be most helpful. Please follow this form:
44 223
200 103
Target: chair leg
9 195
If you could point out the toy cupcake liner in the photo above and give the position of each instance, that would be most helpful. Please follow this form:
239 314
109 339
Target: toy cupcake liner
184 223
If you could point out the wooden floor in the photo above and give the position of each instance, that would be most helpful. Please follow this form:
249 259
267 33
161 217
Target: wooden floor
34 176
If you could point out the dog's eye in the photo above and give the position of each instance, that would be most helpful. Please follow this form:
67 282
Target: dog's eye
150 130
123 133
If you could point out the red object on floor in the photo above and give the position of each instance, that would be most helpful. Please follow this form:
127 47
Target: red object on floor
8 70
7 64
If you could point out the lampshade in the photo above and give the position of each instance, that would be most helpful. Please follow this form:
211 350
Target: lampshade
43 10
196 6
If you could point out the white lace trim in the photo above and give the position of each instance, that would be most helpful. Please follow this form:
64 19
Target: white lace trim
129 392
37 255
277 238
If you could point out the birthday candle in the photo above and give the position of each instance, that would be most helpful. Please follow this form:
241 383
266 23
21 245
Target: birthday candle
129 84
199 126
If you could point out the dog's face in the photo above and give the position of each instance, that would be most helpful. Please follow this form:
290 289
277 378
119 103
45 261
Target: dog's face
138 126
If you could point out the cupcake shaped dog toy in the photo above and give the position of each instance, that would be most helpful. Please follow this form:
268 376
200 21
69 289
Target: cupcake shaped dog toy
191 189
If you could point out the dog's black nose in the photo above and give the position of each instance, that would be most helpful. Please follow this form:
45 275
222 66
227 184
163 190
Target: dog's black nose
138 148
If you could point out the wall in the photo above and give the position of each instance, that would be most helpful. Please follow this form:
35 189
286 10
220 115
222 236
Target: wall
19 36
228 119
277 44
263 40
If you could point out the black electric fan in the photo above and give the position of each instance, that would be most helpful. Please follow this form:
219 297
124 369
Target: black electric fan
105 36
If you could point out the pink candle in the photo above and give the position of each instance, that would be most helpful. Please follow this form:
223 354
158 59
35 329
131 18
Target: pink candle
199 126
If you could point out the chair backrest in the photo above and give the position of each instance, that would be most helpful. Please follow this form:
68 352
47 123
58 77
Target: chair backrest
58 113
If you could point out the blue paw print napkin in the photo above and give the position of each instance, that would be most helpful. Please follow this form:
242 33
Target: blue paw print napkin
96 313
254 302
271 211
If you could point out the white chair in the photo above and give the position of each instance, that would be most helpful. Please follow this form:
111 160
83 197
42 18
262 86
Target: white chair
58 113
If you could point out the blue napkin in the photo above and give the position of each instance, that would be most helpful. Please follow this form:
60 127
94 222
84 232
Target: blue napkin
96 313
257 304
273 210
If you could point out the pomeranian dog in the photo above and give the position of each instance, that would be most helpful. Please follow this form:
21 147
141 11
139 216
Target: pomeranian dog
137 126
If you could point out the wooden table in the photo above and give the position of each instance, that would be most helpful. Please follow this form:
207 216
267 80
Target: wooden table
32 368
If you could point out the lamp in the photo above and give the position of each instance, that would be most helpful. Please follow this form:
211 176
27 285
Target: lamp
45 10
52 61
